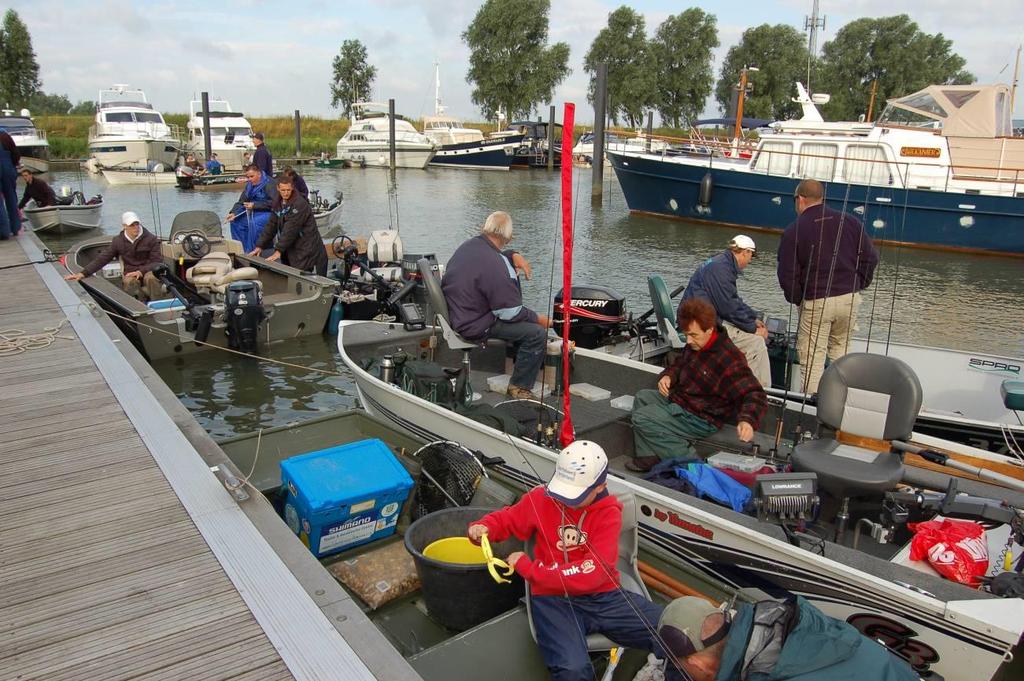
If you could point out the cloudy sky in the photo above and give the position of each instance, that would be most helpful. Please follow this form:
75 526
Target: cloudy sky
273 57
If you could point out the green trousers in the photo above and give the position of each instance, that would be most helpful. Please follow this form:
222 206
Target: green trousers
663 429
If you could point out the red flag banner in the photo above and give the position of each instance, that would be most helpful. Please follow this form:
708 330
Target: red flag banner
567 433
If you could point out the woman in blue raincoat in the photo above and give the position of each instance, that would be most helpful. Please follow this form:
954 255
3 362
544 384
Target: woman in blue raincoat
251 212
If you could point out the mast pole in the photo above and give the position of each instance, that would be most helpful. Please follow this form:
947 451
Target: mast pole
1013 88
437 89
811 25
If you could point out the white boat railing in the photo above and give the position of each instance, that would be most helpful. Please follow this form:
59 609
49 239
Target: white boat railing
918 175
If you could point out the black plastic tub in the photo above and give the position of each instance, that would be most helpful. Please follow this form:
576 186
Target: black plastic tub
460 597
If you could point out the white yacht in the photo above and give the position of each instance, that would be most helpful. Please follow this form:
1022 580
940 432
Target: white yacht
462 147
230 133
366 141
129 133
31 141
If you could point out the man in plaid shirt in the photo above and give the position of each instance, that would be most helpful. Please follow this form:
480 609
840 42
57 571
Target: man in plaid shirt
708 384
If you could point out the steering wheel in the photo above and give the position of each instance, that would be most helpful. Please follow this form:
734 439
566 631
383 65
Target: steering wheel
195 244
340 246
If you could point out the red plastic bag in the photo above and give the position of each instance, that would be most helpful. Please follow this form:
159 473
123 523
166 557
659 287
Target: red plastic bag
957 549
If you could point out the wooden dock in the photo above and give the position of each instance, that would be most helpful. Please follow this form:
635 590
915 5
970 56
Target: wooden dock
121 555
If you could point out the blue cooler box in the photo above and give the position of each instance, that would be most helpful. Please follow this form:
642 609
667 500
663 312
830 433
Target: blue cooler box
344 496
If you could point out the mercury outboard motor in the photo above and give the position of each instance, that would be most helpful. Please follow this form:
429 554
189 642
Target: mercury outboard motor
596 313
243 314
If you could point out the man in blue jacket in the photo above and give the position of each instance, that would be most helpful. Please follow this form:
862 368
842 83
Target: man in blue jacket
715 281
772 640
481 287
825 260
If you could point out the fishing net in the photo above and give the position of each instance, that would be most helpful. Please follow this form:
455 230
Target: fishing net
449 476
539 422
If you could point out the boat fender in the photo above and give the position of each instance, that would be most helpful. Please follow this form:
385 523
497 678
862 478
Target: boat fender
707 187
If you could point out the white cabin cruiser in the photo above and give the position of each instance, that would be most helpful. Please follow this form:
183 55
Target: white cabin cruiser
366 142
129 133
230 133
31 141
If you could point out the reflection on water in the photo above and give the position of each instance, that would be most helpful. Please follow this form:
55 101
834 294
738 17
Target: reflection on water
941 299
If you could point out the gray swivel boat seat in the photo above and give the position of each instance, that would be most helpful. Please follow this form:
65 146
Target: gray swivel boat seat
384 253
435 295
629 573
868 396
664 311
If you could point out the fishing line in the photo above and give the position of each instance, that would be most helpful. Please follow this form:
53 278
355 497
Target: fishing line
899 252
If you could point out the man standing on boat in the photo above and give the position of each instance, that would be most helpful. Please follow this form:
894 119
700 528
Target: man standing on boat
139 251
251 212
708 384
481 287
262 158
292 232
825 260
715 281
35 190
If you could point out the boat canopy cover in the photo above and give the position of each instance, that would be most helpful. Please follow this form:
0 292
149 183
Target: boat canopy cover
745 122
205 221
956 110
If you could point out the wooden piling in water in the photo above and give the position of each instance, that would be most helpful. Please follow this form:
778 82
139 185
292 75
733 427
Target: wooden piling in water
597 162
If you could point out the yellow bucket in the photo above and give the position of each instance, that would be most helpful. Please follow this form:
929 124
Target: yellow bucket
457 550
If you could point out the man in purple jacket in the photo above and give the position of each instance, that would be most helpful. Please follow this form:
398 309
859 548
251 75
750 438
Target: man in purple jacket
481 287
825 260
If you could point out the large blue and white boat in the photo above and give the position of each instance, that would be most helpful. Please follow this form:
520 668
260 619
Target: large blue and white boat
939 169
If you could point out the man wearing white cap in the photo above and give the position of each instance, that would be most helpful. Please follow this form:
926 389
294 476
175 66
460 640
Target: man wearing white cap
715 281
574 582
139 251
772 640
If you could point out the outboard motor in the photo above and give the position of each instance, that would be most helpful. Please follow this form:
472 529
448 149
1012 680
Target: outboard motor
243 314
596 313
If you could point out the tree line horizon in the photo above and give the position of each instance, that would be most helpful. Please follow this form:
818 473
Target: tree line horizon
513 68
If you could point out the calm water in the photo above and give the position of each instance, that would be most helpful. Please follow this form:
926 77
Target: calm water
940 299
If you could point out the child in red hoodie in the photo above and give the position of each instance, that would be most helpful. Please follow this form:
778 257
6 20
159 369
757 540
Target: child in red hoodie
574 582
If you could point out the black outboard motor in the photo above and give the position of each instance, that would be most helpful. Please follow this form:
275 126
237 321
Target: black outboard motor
596 313
243 314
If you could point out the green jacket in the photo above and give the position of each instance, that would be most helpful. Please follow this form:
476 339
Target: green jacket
798 642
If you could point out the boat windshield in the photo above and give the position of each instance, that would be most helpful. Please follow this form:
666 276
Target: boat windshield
896 115
145 117
15 123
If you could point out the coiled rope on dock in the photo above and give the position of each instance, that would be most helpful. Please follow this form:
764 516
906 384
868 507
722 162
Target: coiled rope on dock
18 341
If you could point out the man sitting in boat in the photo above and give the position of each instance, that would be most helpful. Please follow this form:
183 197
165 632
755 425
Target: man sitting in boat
214 166
139 251
292 231
772 640
574 582
481 287
825 260
36 190
251 212
708 384
715 281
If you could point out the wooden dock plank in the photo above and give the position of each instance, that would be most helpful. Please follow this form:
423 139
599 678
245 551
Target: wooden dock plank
103 572
164 655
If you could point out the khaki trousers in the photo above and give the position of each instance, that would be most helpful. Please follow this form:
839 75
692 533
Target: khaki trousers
152 286
755 350
826 325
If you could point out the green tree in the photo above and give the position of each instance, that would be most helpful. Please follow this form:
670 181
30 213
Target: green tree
511 66
83 108
891 50
353 76
780 53
41 103
681 49
623 46
19 70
